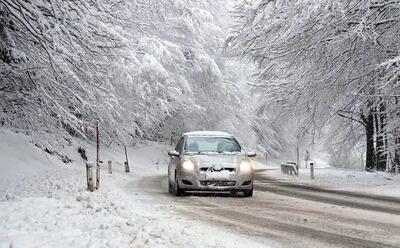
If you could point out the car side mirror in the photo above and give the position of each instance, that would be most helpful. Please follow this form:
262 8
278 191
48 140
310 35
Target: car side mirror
173 153
251 154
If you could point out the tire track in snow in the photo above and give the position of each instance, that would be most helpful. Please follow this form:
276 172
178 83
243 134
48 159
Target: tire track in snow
355 200
263 215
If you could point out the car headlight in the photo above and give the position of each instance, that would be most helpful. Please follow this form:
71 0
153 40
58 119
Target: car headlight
245 166
188 165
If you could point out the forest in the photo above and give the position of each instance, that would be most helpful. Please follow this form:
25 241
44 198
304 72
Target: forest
278 74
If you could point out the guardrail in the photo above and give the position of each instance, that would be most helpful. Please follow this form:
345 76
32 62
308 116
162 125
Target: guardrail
289 168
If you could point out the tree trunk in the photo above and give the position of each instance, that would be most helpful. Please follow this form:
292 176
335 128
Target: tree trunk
380 121
396 159
369 131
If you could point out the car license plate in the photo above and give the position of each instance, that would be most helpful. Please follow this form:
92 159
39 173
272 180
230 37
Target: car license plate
218 175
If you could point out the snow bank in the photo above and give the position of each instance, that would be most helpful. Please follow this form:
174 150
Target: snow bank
44 203
18 156
380 183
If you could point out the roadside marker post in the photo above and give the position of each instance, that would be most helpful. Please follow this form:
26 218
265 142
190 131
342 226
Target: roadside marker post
307 157
312 170
126 167
127 170
89 176
109 167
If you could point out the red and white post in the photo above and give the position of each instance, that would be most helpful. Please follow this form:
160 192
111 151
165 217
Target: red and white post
97 156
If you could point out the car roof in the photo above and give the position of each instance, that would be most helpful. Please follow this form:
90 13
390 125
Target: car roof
208 133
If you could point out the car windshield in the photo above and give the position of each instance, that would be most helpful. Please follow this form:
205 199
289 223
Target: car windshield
211 144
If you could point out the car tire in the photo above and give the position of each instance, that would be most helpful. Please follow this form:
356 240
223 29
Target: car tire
177 191
233 192
248 193
170 184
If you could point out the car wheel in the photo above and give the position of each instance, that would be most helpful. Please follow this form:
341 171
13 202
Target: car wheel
248 193
233 192
177 191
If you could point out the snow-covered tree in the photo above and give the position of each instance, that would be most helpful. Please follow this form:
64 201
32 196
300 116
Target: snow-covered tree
323 60
143 69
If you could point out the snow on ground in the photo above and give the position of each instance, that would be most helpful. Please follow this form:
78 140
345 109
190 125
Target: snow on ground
380 183
44 202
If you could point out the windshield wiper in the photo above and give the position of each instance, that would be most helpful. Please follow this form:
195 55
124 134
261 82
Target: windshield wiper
209 152
191 153
220 152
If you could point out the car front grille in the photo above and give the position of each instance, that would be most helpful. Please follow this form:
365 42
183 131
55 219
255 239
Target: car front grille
217 183
223 169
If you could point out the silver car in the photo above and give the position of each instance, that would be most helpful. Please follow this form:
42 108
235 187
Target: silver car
210 161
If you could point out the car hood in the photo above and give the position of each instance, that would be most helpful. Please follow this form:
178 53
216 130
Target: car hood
225 160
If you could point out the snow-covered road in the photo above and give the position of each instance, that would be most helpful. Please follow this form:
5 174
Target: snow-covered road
44 203
293 220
